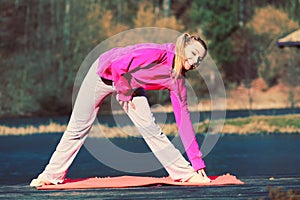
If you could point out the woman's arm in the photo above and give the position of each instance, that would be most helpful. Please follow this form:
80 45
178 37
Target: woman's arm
178 96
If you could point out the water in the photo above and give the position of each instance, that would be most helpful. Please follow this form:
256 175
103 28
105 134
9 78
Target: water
253 159
108 119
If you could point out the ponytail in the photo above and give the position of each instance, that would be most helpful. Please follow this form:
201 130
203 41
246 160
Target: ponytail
180 54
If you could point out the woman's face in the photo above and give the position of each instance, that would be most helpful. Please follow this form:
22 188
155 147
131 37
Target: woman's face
194 54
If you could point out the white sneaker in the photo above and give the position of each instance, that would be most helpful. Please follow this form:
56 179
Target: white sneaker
197 178
39 181
202 173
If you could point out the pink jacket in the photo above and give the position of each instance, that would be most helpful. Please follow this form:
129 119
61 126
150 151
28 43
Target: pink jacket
149 66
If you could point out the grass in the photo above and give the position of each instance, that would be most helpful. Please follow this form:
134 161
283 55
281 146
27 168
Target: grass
263 124
239 121
248 125
293 121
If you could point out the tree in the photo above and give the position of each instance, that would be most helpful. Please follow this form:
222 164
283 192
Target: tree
218 20
268 23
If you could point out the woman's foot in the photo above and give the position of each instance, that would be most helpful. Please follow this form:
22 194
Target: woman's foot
198 178
39 181
202 173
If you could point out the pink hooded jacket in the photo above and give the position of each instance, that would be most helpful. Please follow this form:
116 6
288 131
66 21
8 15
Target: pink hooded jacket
149 66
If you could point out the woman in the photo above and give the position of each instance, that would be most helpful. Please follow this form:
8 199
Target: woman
127 72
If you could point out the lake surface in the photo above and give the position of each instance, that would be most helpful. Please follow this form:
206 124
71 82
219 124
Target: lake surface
109 120
254 159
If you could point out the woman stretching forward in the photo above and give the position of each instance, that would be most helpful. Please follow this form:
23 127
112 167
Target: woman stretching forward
127 72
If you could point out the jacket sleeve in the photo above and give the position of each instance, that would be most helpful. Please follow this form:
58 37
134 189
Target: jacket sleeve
178 95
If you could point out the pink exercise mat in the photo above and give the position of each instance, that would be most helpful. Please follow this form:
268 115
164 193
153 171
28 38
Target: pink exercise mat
135 181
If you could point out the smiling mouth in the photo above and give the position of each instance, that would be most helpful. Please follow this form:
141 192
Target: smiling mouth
197 64
194 66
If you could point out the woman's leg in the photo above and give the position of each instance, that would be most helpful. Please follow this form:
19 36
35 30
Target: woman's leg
92 92
170 157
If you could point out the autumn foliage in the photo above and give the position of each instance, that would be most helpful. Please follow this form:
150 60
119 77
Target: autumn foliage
43 43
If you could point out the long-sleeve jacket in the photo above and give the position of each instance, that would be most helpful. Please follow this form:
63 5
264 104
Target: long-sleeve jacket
149 66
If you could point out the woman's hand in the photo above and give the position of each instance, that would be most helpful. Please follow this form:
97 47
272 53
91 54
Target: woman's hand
126 104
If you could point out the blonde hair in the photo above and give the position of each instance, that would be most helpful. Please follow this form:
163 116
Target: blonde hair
181 42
